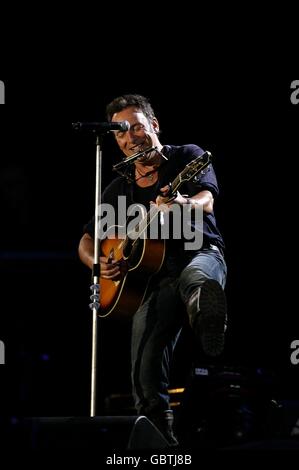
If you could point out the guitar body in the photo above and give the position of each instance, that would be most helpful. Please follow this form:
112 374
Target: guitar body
143 259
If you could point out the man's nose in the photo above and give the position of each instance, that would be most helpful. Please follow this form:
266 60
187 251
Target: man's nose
131 136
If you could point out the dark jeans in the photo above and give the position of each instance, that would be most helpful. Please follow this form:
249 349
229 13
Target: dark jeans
158 322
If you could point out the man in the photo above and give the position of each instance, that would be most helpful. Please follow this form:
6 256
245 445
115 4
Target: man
192 277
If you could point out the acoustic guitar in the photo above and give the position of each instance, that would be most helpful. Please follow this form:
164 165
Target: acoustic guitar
140 257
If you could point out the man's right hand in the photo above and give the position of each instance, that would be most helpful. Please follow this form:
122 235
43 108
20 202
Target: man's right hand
112 269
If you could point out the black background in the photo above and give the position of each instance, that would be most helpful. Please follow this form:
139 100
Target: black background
232 99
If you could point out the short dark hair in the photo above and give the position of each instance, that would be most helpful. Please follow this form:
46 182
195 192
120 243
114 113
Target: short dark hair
124 101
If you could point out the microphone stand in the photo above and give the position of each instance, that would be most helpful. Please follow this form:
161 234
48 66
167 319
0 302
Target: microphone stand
95 287
99 129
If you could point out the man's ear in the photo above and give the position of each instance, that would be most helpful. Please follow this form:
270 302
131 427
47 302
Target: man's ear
155 126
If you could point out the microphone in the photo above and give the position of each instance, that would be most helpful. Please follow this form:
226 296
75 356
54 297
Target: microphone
101 127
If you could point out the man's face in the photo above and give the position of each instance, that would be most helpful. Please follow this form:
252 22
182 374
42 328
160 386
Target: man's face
141 134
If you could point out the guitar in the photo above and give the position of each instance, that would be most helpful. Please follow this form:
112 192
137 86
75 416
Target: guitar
142 257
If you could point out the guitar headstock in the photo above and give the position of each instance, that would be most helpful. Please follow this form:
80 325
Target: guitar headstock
189 172
195 167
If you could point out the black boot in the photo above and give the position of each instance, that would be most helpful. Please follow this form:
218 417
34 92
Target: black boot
208 318
164 422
